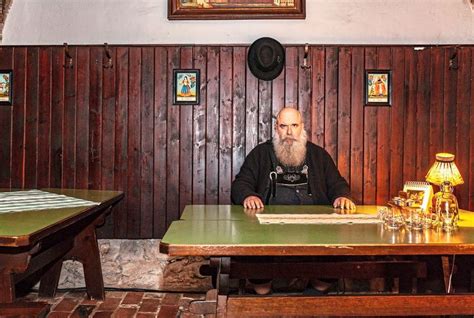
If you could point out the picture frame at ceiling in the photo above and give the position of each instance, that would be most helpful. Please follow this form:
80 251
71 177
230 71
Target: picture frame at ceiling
6 87
186 84
378 88
420 192
233 9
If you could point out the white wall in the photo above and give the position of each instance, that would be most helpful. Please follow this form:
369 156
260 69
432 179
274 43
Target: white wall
327 22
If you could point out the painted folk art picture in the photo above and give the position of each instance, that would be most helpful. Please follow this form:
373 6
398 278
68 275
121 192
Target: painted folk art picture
378 88
185 87
235 9
6 87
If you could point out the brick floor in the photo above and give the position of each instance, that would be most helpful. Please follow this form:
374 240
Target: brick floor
119 304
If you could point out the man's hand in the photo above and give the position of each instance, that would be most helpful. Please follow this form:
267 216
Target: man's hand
253 202
344 203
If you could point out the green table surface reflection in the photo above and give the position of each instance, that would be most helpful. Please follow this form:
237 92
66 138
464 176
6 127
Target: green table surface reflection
229 230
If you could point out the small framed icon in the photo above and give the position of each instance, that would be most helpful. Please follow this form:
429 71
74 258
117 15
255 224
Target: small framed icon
378 88
186 87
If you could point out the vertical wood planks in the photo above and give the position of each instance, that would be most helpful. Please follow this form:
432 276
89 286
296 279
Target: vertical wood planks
384 62
44 117
409 139
344 114
330 105
212 126
6 63
57 115
147 144
199 131
18 118
370 138
397 121
318 95
357 125
121 137
133 143
238 110
225 125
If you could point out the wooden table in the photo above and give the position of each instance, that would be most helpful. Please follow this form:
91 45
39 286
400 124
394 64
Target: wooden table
35 243
228 235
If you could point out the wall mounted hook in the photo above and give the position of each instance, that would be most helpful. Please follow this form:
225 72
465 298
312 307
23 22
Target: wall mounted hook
68 58
453 61
108 55
305 65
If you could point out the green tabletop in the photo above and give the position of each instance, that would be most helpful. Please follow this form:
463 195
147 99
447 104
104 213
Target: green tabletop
14 225
227 230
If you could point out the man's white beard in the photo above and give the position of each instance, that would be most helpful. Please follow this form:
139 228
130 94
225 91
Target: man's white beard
293 154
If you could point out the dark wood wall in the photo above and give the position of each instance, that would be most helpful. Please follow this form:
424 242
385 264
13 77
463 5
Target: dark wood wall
90 126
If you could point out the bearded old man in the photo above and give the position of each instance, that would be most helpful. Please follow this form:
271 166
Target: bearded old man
289 169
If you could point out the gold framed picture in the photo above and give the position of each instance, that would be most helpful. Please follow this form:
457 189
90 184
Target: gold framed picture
420 192
235 9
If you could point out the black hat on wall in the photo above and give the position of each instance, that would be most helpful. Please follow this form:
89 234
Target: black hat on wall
266 58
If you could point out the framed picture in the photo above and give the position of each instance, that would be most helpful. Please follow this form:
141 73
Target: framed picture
233 9
419 191
186 87
378 88
6 86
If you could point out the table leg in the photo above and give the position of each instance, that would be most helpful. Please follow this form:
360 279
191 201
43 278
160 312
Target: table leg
49 281
86 250
7 288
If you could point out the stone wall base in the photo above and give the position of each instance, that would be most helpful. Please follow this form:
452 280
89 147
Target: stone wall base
138 264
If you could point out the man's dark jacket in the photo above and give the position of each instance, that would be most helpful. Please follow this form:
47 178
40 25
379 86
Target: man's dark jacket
324 180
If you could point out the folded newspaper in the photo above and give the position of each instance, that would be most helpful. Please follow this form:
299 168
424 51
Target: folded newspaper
17 201
332 218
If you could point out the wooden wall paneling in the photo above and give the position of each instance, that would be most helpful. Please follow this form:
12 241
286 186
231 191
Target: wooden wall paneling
251 111
44 117
304 91
264 110
423 102
95 117
370 138
291 77
57 115
147 144
463 114
160 138
6 63
278 96
397 121
18 117
121 146
436 105
133 143
108 122
31 118
343 159
212 126
173 143
199 131
108 133
186 141
330 105
450 83
357 124
82 118
225 124
238 109
470 179
384 61
318 66
69 124
410 137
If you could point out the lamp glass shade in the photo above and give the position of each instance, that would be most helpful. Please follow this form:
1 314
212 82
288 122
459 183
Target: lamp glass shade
444 169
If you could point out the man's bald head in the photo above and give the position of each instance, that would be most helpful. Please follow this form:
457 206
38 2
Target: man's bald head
289 124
